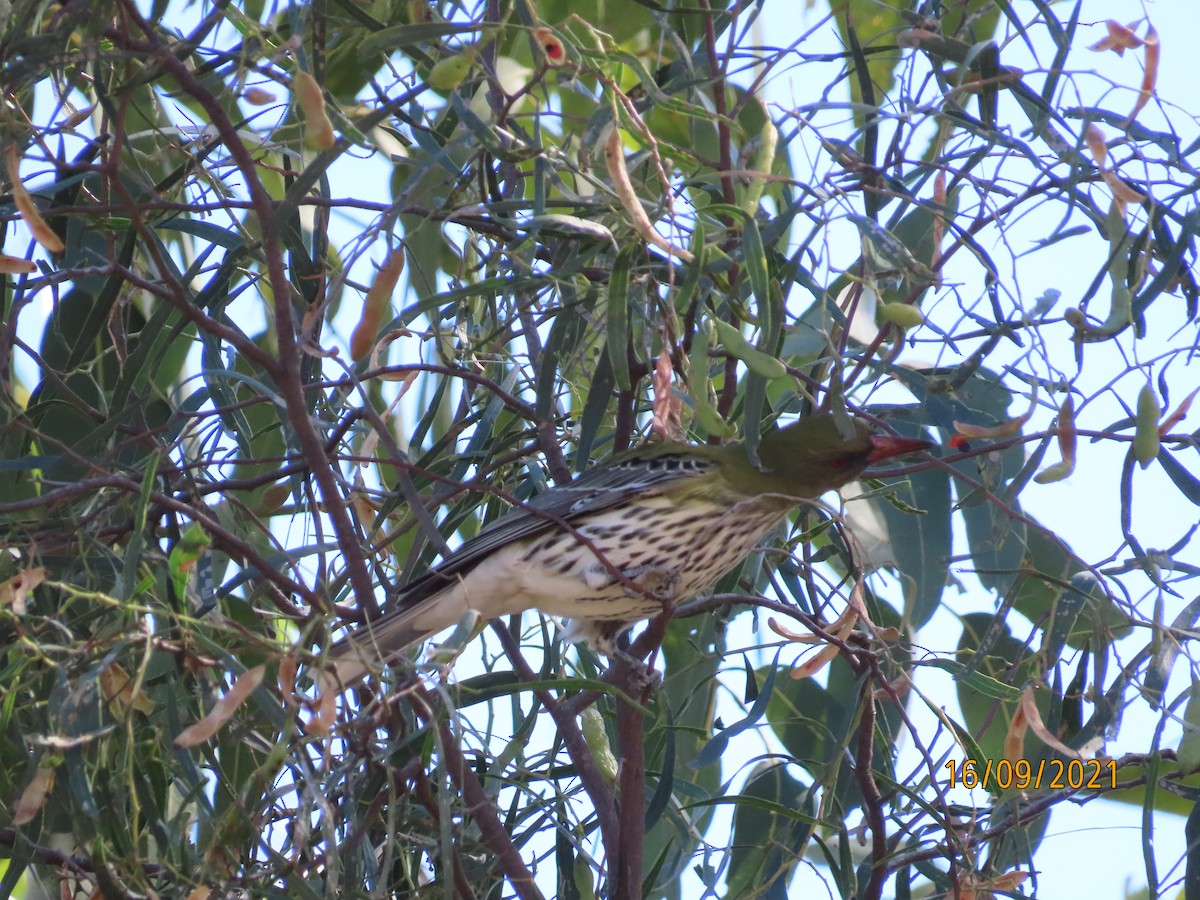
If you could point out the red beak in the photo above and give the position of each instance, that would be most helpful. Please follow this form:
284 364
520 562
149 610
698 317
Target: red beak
885 446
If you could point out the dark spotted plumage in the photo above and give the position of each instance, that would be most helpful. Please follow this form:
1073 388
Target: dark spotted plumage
659 523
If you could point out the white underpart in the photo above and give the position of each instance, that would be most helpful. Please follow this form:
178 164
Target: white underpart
549 573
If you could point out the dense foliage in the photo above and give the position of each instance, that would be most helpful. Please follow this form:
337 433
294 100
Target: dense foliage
319 289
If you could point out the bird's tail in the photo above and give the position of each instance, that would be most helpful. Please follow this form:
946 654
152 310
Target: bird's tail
378 643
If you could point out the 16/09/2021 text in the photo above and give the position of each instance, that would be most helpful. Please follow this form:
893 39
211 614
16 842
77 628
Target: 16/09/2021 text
1049 774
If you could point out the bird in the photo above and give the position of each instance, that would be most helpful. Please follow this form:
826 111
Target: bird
653 525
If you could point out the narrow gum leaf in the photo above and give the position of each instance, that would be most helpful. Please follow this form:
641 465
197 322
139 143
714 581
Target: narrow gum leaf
617 319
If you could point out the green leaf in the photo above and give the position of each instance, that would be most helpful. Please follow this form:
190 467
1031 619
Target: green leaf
919 544
1188 484
772 823
715 748
618 340
1054 583
988 648
874 26
974 679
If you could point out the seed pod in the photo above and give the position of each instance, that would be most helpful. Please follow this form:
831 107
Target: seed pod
756 360
449 73
705 411
1145 435
904 315
377 301
592 725
764 159
1188 754
311 100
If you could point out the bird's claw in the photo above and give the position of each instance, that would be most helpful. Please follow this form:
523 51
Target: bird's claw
652 581
641 678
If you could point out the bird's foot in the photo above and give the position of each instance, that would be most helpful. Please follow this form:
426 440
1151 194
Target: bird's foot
649 581
652 581
642 679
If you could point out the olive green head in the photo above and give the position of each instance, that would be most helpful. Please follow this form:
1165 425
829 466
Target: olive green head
813 455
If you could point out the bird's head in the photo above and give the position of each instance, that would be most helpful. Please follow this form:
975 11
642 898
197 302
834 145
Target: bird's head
813 455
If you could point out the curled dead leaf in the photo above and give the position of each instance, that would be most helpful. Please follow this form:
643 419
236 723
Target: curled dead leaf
15 591
30 214
1178 415
1005 429
118 690
668 404
1014 737
16 265
1149 73
1028 707
614 158
1120 38
1097 143
223 709
1065 430
841 628
33 798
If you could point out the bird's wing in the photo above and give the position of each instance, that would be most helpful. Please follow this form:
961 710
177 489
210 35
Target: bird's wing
596 490
413 615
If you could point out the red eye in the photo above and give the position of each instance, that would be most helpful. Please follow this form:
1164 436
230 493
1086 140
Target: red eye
839 462
551 46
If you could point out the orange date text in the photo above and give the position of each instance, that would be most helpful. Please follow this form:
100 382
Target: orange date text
1045 774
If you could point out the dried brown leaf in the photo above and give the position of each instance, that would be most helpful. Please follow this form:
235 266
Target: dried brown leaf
117 689
1004 429
33 798
223 710
614 158
1120 38
1149 73
15 591
28 210
16 265
1028 706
